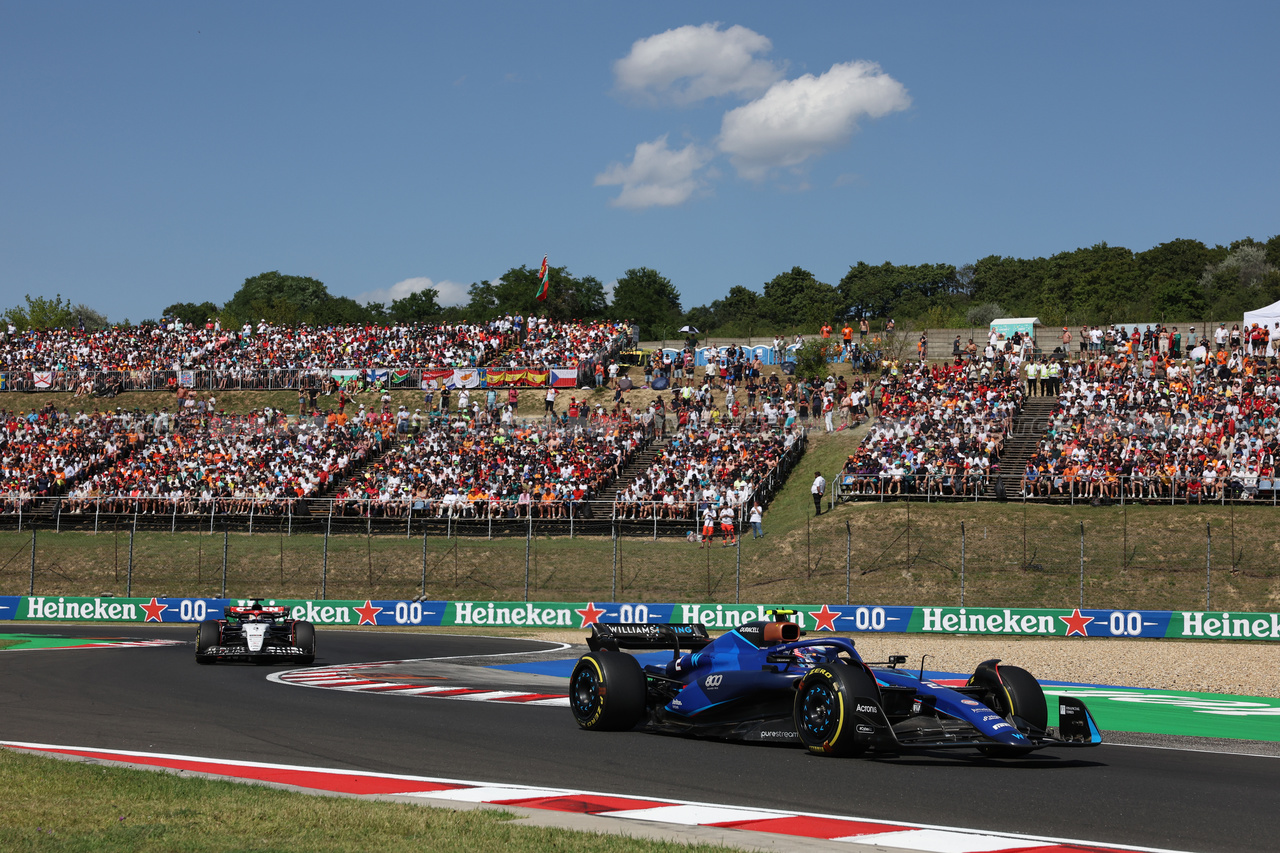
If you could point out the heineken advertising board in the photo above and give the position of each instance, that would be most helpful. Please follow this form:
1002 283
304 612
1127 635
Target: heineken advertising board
843 618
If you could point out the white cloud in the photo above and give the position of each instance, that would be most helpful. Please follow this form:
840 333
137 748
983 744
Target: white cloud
448 292
657 175
799 119
690 64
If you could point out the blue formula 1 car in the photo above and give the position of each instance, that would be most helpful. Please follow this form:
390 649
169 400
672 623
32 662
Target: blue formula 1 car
762 682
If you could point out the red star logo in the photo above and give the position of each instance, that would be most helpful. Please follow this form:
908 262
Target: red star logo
154 611
590 615
826 618
368 613
1076 623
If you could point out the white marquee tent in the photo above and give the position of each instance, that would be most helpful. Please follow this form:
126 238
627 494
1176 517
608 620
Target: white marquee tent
1267 316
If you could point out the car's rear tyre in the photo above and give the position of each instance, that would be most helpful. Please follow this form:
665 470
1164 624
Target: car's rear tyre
607 691
1015 695
208 635
825 701
304 638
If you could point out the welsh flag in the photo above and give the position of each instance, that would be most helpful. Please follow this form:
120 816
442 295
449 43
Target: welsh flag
543 280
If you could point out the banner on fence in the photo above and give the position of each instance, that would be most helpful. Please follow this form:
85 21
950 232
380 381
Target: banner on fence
520 377
402 378
42 378
842 618
564 377
434 379
465 378
4 382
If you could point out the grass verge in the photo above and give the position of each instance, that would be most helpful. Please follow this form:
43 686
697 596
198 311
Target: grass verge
54 805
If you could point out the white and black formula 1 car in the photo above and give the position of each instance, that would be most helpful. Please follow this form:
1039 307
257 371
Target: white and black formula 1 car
256 633
761 682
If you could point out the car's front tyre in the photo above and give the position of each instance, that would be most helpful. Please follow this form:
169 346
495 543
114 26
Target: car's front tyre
824 710
607 691
304 638
1016 696
208 636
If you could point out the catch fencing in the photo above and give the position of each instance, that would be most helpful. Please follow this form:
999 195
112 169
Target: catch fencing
902 553
1102 489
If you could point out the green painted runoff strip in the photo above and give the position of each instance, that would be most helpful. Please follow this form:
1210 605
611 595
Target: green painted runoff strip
26 642
1176 712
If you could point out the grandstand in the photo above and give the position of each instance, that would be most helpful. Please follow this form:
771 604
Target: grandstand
479 464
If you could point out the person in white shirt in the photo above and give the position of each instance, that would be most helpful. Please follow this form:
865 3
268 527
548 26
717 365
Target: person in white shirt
728 535
757 516
818 489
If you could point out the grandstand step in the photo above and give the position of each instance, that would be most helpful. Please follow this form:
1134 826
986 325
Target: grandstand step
639 464
1029 429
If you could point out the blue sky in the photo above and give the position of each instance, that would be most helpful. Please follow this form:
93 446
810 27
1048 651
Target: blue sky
162 152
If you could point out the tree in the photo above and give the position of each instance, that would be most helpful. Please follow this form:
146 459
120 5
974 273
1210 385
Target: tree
483 300
417 307
796 299
343 310
1179 261
648 299
904 290
813 357
580 299
516 292
192 314
982 315
88 319
276 298
42 312
870 291
1242 280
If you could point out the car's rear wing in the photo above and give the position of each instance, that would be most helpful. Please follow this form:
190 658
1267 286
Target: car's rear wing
613 636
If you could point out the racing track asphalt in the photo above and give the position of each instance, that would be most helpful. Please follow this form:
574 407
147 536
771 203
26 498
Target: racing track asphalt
159 699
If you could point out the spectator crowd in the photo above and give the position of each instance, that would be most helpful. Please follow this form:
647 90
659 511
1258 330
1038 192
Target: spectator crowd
268 355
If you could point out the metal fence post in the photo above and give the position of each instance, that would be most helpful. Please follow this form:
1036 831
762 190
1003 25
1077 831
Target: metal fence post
737 558
1208 564
1082 564
225 544
962 544
324 565
129 574
32 590
848 562
424 559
